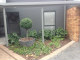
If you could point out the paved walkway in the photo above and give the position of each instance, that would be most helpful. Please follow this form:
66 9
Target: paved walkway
6 54
71 53
2 41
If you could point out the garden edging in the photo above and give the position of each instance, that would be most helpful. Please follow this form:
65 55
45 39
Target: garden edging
55 53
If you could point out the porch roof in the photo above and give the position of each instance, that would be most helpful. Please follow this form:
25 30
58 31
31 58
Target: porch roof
40 3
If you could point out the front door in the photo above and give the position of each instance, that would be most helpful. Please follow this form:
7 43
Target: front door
13 22
2 32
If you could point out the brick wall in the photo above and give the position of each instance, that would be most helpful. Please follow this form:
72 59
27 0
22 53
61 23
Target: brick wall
72 23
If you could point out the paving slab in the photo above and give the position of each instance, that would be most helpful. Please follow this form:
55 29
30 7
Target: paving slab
2 41
10 54
71 53
5 56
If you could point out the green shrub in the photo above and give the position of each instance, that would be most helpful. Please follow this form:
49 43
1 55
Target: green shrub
13 38
51 44
26 23
56 41
37 49
48 34
33 33
40 34
60 32
57 38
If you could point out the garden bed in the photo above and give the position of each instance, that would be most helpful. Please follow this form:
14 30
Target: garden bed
54 39
37 56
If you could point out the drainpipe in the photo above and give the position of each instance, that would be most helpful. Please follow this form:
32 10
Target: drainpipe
5 26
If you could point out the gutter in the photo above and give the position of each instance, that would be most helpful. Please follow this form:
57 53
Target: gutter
40 3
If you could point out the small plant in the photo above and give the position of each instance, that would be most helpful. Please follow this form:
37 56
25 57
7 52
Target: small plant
56 41
57 38
33 33
37 49
48 34
39 34
51 44
26 23
13 38
60 32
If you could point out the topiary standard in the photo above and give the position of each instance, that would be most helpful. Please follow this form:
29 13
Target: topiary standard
26 23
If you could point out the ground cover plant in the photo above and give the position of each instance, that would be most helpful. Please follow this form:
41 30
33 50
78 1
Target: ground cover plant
37 49
13 39
33 33
53 40
26 23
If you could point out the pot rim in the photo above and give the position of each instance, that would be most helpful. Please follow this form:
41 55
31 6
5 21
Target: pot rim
26 41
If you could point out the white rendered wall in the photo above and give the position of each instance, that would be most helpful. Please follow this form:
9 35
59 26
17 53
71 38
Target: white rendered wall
2 1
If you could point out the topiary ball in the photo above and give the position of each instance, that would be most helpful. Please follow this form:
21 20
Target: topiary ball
26 23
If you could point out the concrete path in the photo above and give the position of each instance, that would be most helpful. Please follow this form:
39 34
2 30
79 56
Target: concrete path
71 53
2 41
6 54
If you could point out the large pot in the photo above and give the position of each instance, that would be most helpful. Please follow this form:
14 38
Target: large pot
27 43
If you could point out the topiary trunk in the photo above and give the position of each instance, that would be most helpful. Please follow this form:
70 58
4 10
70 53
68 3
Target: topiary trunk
27 33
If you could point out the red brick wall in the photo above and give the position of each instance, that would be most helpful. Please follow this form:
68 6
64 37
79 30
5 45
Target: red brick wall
72 23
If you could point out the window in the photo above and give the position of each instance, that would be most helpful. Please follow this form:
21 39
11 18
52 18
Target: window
49 20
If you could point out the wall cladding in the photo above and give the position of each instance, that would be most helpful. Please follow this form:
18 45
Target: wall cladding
35 14
72 23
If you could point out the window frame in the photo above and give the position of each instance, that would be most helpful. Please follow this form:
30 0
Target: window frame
44 19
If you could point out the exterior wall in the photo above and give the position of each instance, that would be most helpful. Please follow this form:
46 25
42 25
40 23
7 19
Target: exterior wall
72 23
35 14
31 0
2 1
